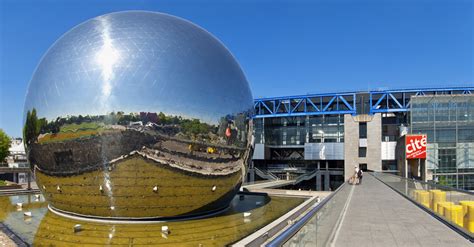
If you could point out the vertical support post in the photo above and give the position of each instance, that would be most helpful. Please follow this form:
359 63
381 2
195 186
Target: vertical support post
404 101
321 103
318 182
307 129
457 141
326 181
354 105
406 169
305 105
420 170
423 175
28 177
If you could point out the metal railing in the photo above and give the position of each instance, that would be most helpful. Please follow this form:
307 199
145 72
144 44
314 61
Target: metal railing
454 207
267 175
315 228
306 176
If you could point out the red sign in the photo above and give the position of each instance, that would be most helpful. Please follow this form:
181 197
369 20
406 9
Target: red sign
415 146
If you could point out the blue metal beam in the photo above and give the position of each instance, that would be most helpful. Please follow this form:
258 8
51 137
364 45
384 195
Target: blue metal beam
329 104
395 100
390 96
345 102
297 105
311 102
320 104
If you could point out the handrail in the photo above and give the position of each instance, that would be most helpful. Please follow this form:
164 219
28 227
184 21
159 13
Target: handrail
443 220
13 236
267 175
444 187
306 176
271 174
293 229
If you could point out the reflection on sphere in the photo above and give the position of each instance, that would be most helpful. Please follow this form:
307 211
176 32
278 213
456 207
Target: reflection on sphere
138 114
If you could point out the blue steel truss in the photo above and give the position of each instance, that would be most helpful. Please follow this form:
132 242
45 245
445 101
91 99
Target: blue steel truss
399 100
315 104
345 103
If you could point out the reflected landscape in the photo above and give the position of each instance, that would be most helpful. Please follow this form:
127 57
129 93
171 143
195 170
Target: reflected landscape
138 115
167 167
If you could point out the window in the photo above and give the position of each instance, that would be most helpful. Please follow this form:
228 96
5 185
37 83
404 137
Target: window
362 152
389 165
363 130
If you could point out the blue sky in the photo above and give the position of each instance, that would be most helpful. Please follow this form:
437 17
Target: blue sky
284 47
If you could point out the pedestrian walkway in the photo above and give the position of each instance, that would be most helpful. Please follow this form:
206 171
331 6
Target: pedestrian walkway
378 216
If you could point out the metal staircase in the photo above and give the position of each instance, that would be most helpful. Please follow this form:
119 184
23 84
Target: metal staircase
265 175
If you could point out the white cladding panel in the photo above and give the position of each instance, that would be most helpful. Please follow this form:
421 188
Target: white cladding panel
432 156
324 151
388 150
465 155
259 152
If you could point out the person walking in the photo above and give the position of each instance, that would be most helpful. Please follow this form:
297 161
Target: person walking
360 173
355 177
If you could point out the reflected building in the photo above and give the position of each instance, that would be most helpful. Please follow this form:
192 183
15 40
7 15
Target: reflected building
16 159
138 115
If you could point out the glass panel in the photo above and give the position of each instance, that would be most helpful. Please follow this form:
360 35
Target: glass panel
317 232
299 130
449 123
448 203
362 130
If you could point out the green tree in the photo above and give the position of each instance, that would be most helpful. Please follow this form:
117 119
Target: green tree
161 118
5 143
195 127
31 128
42 125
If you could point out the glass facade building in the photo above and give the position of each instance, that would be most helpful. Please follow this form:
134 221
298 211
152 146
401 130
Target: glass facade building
325 136
289 131
301 145
448 122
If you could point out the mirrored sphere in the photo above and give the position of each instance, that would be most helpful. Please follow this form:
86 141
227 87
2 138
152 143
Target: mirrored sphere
138 114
